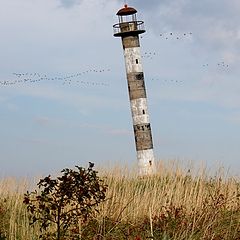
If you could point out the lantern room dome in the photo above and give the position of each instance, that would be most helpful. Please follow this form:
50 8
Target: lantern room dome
126 11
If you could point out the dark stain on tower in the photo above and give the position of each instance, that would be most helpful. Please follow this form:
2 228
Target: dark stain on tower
129 29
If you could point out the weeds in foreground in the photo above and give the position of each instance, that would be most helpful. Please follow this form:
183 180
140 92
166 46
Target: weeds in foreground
173 205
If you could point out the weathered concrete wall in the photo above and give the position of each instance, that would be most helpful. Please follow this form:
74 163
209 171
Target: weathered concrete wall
138 102
136 86
146 163
130 41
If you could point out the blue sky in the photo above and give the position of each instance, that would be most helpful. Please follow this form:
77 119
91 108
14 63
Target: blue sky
191 79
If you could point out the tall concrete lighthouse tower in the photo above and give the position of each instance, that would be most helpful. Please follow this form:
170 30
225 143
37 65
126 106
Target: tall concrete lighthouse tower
129 29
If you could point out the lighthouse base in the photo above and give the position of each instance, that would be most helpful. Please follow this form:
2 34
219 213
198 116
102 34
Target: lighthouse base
146 164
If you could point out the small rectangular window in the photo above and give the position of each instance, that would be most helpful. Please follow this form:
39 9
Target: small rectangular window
143 111
136 61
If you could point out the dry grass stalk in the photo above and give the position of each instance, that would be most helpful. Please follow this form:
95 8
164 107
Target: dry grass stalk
178 204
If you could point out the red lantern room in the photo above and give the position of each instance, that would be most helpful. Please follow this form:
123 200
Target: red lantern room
128 24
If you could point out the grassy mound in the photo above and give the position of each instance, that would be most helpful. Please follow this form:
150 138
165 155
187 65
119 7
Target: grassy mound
174 204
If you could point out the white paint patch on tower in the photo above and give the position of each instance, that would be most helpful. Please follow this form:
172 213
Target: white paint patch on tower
145 161
133 59
139 111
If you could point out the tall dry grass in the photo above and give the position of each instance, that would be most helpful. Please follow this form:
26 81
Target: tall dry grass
14 222
174 204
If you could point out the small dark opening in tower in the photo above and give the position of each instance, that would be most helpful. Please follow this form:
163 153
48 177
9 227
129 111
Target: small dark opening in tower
150 163
143 111
139 76
136 61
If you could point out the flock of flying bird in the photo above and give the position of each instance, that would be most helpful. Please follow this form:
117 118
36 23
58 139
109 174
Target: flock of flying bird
149 55
171 35
77 78
70 79
167 81
222 65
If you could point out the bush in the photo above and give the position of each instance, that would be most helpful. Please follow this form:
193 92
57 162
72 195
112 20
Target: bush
63 204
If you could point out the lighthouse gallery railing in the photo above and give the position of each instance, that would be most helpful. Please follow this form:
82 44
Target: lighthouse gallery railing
128 27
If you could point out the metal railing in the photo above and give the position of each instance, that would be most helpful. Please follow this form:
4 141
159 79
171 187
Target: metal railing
128 27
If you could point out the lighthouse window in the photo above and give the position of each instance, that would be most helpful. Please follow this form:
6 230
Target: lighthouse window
150 163
136 61
143 111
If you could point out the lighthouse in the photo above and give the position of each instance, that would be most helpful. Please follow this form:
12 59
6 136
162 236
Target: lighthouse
129 29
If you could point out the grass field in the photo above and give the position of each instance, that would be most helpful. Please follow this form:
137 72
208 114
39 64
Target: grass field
175 204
